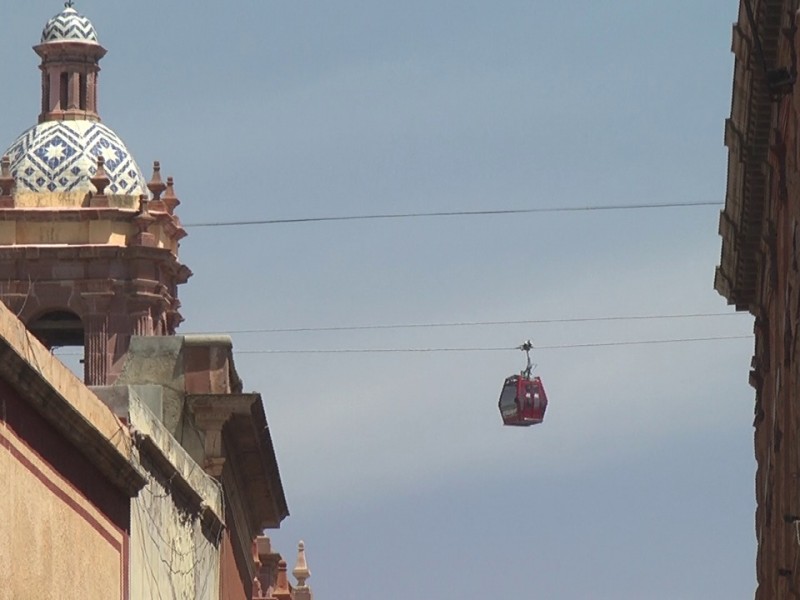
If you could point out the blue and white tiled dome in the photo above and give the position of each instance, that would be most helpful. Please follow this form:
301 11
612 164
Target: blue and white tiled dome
61 156
69 26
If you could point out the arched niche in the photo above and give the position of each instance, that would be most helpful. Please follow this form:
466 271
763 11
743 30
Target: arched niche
58 328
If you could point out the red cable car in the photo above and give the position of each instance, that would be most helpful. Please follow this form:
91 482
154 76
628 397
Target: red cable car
523 400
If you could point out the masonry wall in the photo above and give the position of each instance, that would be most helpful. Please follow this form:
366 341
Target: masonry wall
63 527
207 425
172 554
176 518
235 579
775 299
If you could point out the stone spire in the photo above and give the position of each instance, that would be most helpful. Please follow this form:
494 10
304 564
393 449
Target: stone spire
302 591
282 590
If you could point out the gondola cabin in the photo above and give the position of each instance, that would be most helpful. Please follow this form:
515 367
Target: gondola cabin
522 401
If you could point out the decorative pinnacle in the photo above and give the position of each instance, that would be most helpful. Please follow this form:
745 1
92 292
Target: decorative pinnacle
282 582
170 199
100 180
156 185
301 572
69 4
143 219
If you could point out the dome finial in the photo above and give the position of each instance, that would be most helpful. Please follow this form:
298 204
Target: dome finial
301 572
69 4
156 185
170 199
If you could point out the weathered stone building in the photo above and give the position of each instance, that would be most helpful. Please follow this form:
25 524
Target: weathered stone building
156 476
69 475
102 500
191 421
760 269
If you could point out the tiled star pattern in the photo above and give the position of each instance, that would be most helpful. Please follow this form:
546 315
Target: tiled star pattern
61 156
69 25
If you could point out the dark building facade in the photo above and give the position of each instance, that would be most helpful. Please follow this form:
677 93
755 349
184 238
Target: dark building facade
759 270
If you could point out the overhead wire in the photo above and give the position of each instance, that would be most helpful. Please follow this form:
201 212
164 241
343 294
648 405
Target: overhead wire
455 213
497 349
385 326
467 213
410 215
431 350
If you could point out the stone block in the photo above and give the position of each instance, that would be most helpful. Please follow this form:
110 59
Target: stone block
118 398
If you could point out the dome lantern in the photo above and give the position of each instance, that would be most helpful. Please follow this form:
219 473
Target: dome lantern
70 67
59 155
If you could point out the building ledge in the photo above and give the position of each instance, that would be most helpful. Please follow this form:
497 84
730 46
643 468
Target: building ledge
748 137
67 404
140 407
237 424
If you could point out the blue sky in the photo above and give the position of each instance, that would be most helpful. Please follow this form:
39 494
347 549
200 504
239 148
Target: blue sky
399 476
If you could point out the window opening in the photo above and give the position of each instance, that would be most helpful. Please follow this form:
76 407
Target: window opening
82 103
63 91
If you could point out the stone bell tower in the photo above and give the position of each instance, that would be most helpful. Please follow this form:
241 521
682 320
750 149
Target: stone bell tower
88 247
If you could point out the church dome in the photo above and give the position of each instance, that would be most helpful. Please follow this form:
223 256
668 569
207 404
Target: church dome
69 26
61 156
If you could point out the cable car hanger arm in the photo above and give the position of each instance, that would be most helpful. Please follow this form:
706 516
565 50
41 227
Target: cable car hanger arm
527 347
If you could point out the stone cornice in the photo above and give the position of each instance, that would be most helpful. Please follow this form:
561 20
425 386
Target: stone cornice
67 215
242 419
169 223
76 50
269 461
748 138
87 251
211 412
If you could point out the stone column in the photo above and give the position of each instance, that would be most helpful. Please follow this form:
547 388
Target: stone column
96 357
97 337
45 93
55 91
141 321
74 92
160 322
91 92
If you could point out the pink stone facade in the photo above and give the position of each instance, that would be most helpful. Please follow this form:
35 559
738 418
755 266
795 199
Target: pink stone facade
52 492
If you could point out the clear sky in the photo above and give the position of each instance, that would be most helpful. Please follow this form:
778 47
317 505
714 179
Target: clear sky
399 475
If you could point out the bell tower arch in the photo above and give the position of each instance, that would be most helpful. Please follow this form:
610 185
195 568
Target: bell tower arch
88 246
